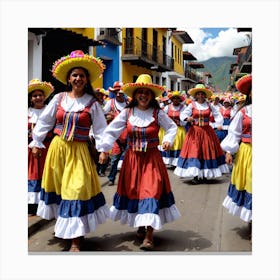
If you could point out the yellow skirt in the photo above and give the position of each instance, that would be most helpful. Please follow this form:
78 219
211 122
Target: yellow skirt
69 171
242 168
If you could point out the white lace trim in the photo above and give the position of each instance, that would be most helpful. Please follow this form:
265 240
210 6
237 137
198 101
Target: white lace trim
235 210
33 197
68 228
166 215
141 118
205 173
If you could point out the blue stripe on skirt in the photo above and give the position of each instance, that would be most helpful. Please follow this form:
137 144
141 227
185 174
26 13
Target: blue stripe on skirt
34 185
201 164
241 198
141 206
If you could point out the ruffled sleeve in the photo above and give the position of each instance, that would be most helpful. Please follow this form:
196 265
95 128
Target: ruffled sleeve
98 123
231 142
217 115
45 123
113 131
186 112
169 127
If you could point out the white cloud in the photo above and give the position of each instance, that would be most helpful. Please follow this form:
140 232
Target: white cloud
206 45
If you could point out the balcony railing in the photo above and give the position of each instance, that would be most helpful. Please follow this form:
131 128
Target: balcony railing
245 59
109 34
140 48
193 75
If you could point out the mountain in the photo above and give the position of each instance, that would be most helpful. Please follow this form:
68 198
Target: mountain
219 68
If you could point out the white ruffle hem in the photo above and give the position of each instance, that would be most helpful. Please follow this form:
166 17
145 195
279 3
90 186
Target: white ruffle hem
69 228
33 197
166 215
201 173
235 210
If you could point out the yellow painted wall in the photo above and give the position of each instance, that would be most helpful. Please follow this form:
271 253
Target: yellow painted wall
178 58
133 70
128 70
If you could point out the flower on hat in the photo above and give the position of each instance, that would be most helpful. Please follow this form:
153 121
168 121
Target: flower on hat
76 59
36 84
143 81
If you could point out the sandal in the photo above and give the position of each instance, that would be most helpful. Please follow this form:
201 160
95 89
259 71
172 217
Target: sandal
141 232
147 245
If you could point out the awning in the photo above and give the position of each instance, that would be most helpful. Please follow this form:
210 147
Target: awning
60 33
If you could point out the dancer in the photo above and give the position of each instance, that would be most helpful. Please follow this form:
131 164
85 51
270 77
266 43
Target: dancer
173 110
201 156
38 92
238 143
71 191
144 198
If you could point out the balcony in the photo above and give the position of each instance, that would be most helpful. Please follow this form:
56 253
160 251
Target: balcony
138 52
245 61
109 35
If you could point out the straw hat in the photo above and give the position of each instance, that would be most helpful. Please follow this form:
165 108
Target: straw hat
77 58
117 86
143 81
102 91
198 88
176 94
36 84
244 84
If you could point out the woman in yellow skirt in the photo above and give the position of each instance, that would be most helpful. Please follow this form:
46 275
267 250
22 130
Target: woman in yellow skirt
239 142
173 110
71 191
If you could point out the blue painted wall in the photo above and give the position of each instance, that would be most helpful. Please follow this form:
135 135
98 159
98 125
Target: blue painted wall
111 73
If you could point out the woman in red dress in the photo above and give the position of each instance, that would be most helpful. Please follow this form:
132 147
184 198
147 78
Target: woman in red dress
201 157
37 94
144 198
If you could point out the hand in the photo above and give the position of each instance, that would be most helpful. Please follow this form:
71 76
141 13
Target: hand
36 152
228 158
109 117
219 127
190 119
103 157
165 146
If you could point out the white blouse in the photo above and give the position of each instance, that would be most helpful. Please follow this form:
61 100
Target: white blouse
47 119
177 108
187 112
119 105
34 114
138 118
231 142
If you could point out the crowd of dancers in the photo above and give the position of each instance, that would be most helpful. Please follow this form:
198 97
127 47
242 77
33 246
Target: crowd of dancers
137 129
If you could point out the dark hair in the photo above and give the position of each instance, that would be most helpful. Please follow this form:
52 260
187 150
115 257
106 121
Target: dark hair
88 87
133 103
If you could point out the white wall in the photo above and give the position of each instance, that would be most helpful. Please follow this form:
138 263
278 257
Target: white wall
34 57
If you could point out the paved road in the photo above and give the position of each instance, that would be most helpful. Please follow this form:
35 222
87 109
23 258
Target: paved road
204 227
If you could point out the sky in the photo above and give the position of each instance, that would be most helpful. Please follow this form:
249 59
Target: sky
214 42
